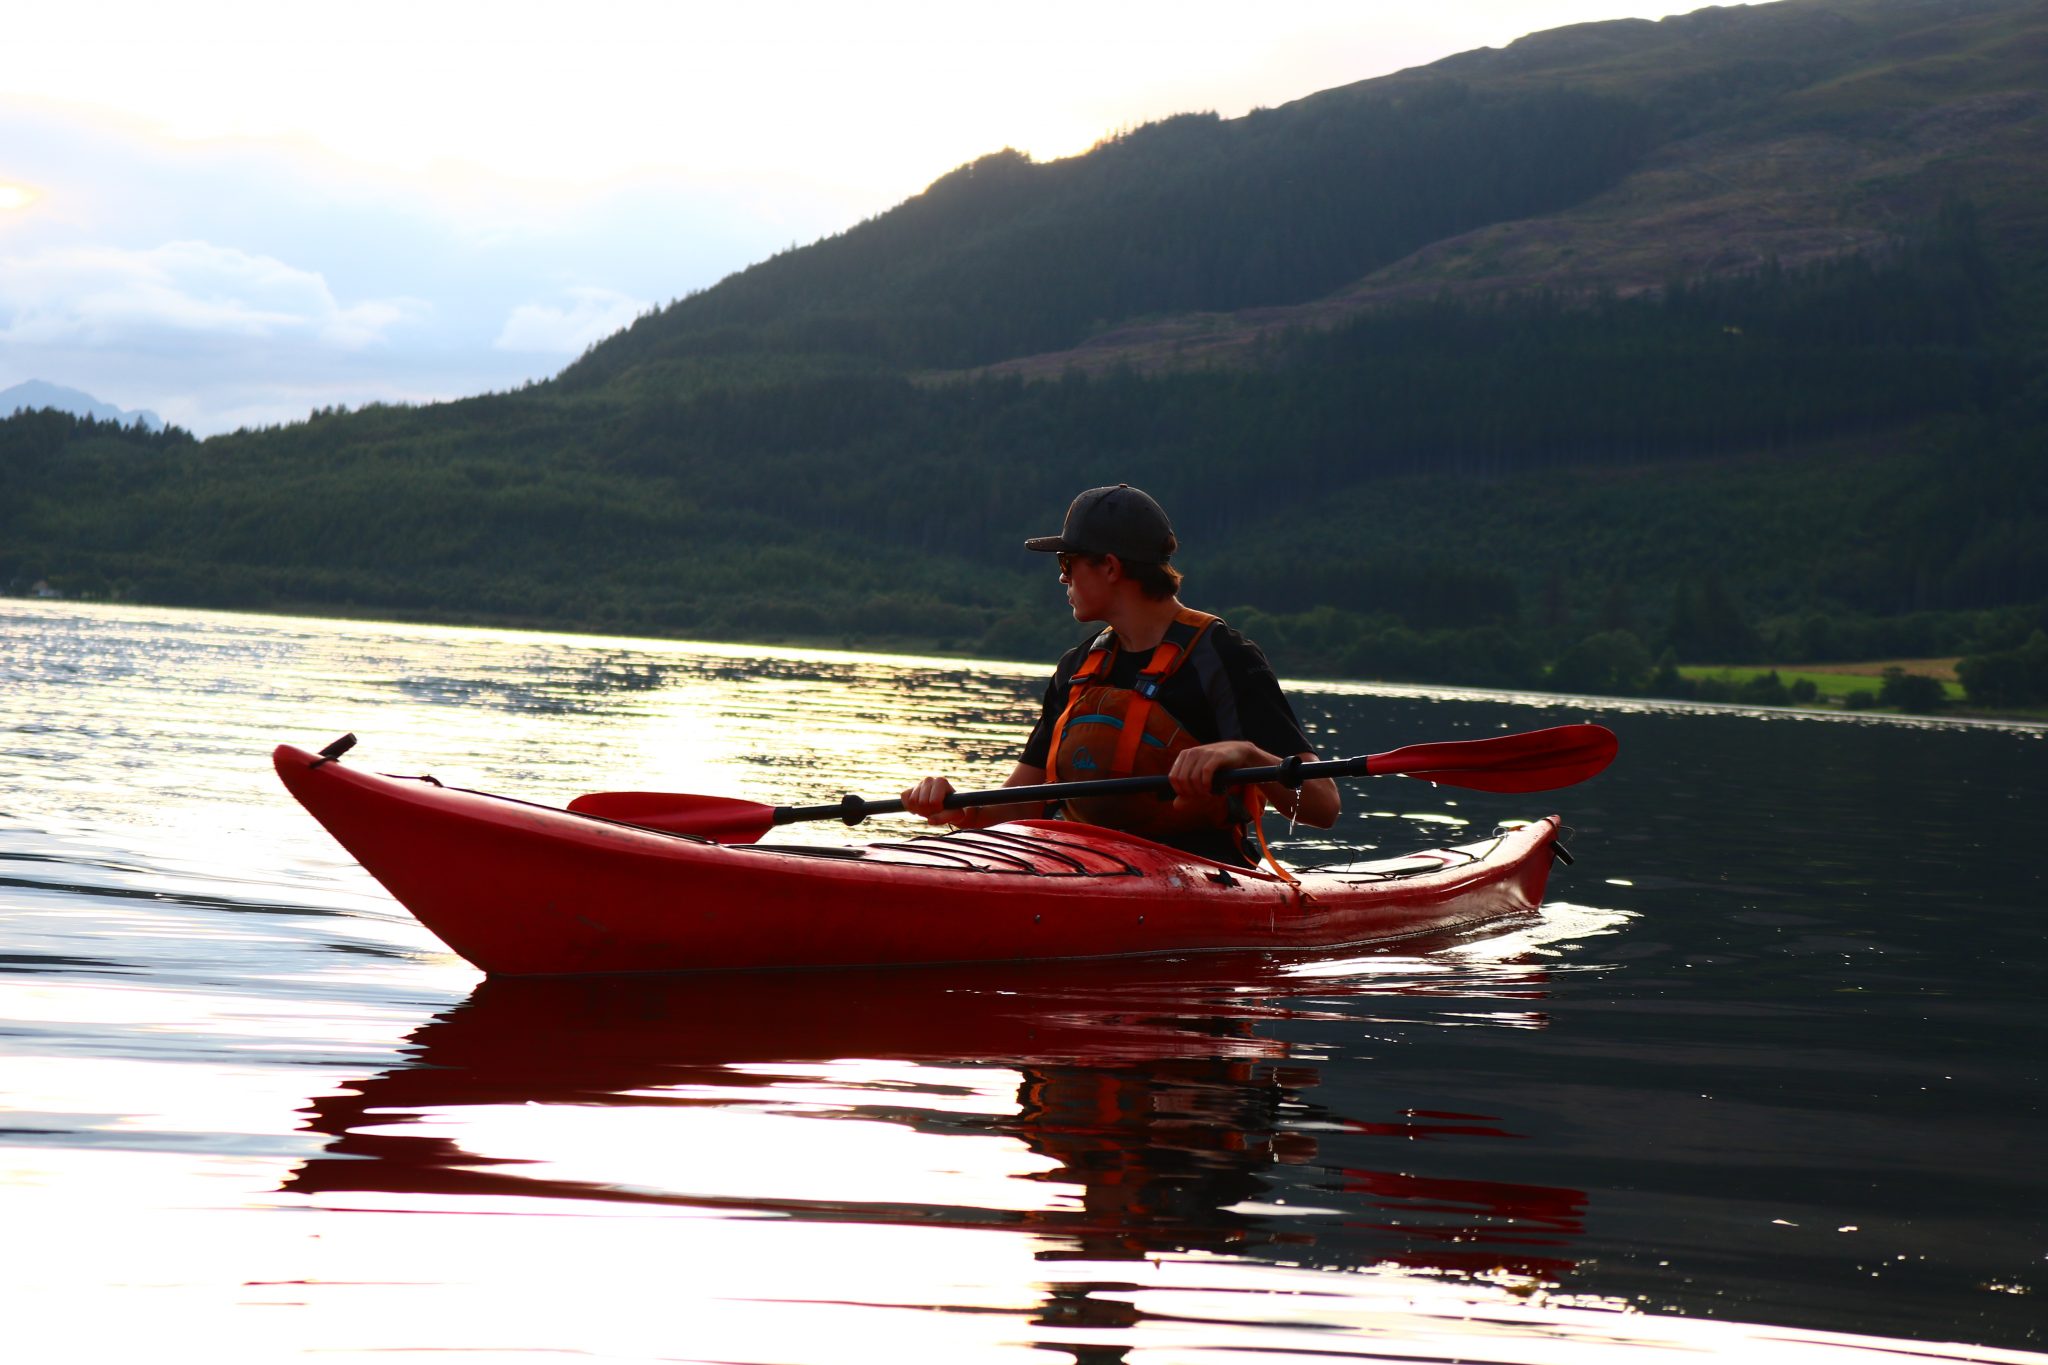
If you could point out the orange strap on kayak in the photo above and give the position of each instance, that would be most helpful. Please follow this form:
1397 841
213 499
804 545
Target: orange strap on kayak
1259 833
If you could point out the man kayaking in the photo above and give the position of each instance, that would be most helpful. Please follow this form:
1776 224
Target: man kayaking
1161 689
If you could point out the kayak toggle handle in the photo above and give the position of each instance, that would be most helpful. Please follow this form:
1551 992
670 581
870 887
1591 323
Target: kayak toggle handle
334 750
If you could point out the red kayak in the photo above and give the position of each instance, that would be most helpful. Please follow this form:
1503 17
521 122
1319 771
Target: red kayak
522 890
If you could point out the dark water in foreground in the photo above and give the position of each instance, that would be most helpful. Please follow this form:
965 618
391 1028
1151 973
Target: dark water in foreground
1763 1083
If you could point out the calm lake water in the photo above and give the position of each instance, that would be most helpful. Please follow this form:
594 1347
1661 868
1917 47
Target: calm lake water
1764 1082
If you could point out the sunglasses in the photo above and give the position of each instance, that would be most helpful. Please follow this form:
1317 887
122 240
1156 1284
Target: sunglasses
1069 558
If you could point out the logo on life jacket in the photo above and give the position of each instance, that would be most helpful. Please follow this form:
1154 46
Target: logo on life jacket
1083 761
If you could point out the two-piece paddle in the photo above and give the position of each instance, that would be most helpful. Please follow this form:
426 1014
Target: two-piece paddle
1532 761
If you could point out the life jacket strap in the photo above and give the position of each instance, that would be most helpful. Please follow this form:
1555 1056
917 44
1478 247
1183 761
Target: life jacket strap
1100 652
1167 657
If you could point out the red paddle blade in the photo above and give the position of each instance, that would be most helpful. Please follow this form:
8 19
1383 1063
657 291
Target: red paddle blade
1535 761
722 818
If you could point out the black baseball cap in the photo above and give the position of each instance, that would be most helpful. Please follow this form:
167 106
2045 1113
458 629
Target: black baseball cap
1113 520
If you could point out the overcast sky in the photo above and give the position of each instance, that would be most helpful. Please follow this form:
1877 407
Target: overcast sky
232 213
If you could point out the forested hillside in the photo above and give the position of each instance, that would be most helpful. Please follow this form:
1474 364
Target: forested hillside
1720 338
1006 256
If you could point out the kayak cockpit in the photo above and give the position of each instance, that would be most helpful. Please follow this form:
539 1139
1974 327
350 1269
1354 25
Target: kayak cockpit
1033 848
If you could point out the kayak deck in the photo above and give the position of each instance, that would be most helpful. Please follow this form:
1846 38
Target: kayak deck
524 889
1043 853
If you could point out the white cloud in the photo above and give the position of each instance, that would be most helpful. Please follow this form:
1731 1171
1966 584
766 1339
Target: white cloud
590 315
108 295
303 282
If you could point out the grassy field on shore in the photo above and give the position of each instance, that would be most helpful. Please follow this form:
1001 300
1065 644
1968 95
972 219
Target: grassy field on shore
1836 684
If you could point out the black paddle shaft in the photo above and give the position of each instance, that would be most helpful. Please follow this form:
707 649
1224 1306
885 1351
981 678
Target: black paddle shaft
1293 772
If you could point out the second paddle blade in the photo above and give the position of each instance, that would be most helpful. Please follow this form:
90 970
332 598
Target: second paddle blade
1536 761
721 818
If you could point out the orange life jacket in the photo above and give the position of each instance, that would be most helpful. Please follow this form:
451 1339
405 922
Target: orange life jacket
1110 731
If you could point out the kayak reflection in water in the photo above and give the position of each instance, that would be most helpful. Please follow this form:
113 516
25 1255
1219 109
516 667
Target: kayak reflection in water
1171 1116
1161 689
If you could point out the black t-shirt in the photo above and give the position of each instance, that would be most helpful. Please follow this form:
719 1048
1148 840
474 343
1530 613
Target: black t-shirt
1252 705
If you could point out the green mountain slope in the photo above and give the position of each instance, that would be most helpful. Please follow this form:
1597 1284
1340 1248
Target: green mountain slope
1787 133
1603 156
1005 256
1440 375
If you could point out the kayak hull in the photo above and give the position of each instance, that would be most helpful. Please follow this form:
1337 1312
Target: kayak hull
522 890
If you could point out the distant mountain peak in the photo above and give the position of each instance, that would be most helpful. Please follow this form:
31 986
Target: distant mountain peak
33 395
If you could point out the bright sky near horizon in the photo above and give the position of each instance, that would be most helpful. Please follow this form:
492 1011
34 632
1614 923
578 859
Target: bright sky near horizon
234 211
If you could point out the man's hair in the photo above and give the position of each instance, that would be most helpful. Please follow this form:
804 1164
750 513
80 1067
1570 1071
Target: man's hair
1156 581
